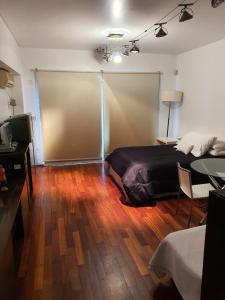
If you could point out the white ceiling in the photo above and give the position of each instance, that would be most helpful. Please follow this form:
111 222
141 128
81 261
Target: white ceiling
79 24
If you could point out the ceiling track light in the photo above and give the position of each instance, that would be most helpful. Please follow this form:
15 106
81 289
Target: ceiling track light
134 47
216 3
105 53
161 31
117 58
125 50
186 12
185 15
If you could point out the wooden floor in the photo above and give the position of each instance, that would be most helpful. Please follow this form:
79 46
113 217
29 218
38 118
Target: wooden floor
84 244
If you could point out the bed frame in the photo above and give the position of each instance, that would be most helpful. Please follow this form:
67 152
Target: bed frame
117 180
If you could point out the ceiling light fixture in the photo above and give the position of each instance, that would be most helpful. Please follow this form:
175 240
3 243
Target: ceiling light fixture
115 33
186 12
134 48
161 31
117 58
125 50
104 53
115 36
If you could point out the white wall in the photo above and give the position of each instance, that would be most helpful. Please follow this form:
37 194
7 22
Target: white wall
9 50
4 108
10 56
202 78
70 60
7 93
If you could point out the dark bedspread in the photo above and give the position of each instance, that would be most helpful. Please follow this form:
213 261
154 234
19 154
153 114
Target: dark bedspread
151 170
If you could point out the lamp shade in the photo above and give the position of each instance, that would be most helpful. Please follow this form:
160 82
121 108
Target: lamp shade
171 96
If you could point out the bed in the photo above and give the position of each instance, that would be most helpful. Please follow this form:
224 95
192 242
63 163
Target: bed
194 258
145 173
180 255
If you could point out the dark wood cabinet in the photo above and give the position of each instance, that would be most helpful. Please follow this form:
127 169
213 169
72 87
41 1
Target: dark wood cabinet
15 205
18 164
213 279
7 272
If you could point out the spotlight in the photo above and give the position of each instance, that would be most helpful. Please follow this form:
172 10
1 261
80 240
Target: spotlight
160 31
186 12
216 3
125 50
134 47
117 58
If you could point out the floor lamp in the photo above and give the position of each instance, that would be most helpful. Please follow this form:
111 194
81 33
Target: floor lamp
170 97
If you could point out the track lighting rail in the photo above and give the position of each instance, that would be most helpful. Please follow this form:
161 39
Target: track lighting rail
185 13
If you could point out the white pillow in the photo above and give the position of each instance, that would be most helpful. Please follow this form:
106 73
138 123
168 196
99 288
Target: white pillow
190 138
219 145
202 145
216 152
201 142
183 147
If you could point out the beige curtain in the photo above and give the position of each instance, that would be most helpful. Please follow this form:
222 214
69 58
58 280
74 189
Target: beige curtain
130 113
70 115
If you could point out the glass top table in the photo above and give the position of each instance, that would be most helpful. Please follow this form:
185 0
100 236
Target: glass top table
213 167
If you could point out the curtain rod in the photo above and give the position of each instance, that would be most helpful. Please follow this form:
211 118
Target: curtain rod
64 71
130 72
94 72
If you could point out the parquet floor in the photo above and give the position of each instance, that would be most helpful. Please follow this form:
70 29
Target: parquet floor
84 244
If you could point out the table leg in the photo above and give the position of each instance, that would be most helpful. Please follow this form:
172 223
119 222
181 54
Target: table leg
204 219
216 184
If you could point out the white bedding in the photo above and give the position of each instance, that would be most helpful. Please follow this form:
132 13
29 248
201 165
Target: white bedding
180 255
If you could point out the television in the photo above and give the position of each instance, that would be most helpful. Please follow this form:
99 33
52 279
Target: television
6 133
21 128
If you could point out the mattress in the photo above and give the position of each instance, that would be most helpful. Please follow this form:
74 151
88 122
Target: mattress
151 170
180 255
